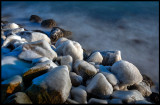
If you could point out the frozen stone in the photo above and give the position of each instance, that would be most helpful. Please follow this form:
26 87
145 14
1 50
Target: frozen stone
110 57
84 69
128 96
79 94
60 41
95 57
99 86
67 60
13 31
11 66
54 85
75 79
71 48
31 36
126 72
37 49
10 26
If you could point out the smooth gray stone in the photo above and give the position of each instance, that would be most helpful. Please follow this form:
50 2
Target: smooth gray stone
95 57
75 79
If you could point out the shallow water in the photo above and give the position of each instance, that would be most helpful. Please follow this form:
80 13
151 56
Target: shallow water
131 27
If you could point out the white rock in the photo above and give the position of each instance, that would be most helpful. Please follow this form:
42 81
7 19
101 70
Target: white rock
71 48
109 76
37 49
128 96
99 86
67 60
39 60
10 26
13 31
79 94
126 72
34 36
84 69
95 57
11 66
60 41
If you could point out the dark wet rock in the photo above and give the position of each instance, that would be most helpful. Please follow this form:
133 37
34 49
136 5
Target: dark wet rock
58 32
79 94
99 86
126 73
18 98
147 80
49 23
52 87
10 86
75 79
110 57
37 49
35 18
84 69
128 96
97 101
154 97
142 88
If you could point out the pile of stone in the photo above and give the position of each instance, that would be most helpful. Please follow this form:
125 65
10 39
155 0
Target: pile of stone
39 69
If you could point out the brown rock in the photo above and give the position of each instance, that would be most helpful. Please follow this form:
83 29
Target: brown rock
49 23
35 18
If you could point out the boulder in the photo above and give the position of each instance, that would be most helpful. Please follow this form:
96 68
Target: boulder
35 19
52 87
142 87
49 23
10 26
126 73
10 86
37 70
60 41
71 48
95 57
57 33
75 79
99 86
97 101
37 49
84 69
110 57
79 94
67 60
18 98
31 36
128 96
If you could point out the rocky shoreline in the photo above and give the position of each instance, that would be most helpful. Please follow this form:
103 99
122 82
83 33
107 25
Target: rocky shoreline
52 69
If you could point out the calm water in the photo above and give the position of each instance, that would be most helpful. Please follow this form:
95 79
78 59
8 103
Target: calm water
101 25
